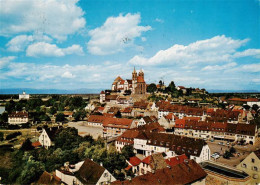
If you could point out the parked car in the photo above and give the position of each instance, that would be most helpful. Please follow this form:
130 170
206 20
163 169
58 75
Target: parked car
228 143
215 155
221 143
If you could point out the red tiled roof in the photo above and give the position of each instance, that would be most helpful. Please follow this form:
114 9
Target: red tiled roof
180 123
134 161
176 160
128 167
184 173
36 144
102 92
96 118
117 122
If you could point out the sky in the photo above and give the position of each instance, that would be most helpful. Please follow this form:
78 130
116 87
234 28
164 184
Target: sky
73 44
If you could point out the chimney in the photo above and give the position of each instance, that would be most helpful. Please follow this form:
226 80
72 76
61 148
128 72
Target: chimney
91 159
101 164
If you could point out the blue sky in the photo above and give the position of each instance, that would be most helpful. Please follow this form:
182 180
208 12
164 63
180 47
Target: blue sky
70 44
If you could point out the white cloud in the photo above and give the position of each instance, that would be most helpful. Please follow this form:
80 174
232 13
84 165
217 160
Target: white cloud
256 80
250 68
51 50
218 67
216 49
57 18
249 52
67 74
5 60
20 42
159 20
115 34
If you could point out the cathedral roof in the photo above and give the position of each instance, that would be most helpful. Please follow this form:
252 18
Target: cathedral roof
140 79
118 79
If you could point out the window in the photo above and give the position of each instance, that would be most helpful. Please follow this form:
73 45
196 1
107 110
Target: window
105 175
253 160
255 168
243 165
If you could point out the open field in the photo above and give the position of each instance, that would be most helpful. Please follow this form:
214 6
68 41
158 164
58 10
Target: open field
83 130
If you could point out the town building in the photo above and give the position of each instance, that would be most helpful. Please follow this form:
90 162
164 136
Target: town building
85 172
47 136
24 96
113 127
16 118
148 143
136 85
251 166
188 172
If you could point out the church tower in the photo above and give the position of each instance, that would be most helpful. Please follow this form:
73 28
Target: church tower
141 73
134 80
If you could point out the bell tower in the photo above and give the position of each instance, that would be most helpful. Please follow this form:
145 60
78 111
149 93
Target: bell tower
134 80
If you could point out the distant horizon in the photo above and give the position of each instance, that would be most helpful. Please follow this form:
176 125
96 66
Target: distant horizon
206 44
13 91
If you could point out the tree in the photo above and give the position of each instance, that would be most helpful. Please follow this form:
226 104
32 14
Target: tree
1 136
227 154
60 117
4 117
79 115
67 138
128 151
52 110
27 145
32 171
171 87
151 88
232 150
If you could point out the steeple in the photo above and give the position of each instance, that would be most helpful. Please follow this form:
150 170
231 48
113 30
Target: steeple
134 75
141 73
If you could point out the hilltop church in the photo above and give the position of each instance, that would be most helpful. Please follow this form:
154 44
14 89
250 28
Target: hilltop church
137 84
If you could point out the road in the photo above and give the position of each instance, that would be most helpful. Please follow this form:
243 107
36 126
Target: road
83 130
233 161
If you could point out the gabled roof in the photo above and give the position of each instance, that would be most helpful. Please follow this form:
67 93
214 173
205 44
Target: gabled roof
178 144
184 173
176 160
117 122
36 144
246 129
96 118
47 178
156 161
90 172
134 161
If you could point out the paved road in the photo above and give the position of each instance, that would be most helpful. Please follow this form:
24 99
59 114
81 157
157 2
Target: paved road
233 161
83 130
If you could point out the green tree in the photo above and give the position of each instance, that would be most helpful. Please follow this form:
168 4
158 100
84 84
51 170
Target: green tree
4 117
1 136
32 171
60 117
52 110
151 88
128 151
171 87
27 145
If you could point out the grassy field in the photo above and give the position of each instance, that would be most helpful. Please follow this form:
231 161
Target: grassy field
26 133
